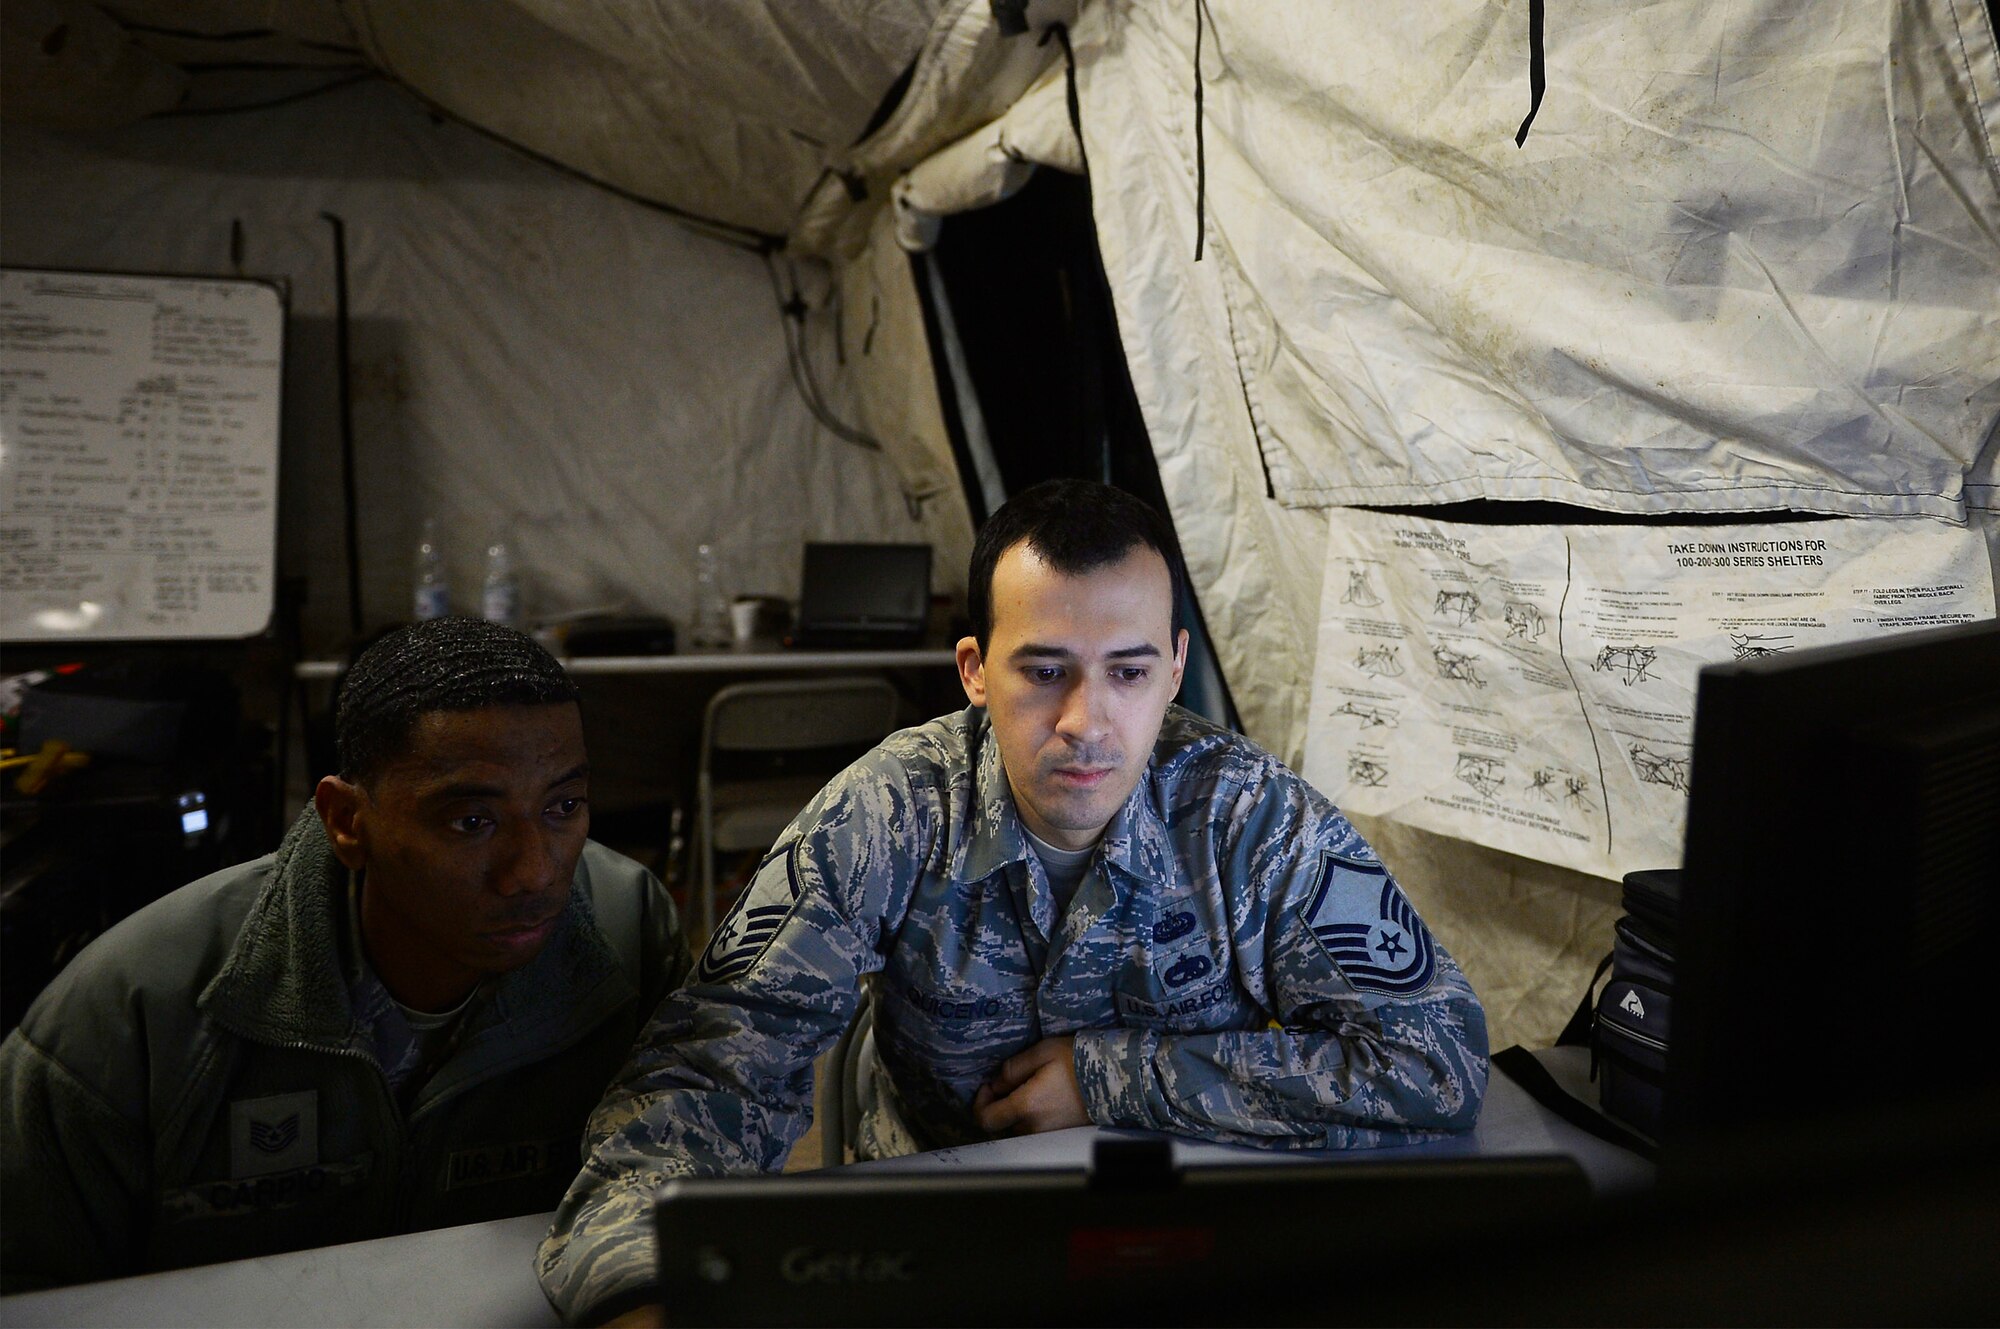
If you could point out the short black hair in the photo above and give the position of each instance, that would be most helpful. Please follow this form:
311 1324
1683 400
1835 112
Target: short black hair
1076 526
442 664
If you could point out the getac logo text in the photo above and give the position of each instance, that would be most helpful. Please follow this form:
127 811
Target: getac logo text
807 1264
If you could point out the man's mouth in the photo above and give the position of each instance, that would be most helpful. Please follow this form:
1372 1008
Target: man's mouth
531 933
1082 777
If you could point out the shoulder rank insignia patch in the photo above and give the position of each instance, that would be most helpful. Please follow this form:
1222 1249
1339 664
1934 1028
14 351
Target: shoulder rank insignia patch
1369 930
749 928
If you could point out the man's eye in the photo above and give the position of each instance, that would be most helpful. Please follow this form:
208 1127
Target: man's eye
470 824
1133 674
1044 673
567 807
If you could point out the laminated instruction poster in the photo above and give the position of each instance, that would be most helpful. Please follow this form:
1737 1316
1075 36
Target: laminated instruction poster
138 455
1532 688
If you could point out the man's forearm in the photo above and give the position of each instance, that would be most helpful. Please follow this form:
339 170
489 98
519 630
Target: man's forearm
600 1257
1423 1074
600 1249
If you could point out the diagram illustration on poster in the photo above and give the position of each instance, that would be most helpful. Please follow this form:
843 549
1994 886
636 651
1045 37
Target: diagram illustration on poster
1532 687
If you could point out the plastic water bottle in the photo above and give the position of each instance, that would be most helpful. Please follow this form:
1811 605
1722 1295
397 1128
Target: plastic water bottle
433 593
711 606
500 595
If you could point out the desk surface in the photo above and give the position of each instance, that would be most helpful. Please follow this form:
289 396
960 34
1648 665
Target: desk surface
1511 1125
713 662
481 1274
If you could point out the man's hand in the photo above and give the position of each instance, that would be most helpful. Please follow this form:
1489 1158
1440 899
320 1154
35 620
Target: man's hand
1033 1091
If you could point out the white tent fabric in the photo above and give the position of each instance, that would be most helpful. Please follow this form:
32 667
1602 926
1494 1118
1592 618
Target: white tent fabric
532 357
728 111
1747 259
750 118
968 75
751 114
990 164
67 64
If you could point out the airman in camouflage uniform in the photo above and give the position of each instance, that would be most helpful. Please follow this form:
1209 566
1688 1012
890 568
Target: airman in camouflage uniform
1234 964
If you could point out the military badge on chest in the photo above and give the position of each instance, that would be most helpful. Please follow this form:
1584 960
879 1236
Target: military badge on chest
1367 927
273 1134
1185 978
1191 963
274 1165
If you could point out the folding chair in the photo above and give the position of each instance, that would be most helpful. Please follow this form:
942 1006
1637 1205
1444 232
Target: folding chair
837 1098
798 732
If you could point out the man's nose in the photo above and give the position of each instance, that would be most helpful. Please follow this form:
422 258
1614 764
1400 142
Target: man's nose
1086 715
528 861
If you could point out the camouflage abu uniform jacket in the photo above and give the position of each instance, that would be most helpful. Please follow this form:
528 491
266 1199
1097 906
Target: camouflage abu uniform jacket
1236 965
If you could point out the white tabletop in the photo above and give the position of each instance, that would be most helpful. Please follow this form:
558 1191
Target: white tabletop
1511 1125
481 1275
713 662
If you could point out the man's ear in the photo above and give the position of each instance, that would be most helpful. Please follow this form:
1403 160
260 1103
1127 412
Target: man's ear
342 809
972 670
1180 659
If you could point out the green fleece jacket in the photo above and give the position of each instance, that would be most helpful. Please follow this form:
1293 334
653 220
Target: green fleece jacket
194 1086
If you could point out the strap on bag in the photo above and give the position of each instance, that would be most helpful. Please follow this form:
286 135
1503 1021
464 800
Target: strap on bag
1576 1033
1520 1066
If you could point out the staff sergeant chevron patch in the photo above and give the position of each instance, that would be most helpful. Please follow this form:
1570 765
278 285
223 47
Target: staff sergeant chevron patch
745 933
1366 926
273 1134
270 1138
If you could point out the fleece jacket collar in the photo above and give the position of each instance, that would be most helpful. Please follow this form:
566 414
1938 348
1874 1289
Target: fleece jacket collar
282 981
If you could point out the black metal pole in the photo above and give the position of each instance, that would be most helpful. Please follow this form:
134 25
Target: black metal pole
347 482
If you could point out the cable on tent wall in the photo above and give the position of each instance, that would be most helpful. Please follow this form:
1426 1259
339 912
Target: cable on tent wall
1537 71
1060 32
1200 142
331 85
1061 35
792 316
729 233
234 35
791 309
258 66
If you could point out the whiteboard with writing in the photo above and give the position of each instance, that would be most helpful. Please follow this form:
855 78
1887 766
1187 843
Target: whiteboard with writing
138 455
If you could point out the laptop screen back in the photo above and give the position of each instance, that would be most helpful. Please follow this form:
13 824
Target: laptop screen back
864 594
846 1246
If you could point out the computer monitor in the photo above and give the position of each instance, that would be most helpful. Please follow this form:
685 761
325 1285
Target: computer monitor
1837 957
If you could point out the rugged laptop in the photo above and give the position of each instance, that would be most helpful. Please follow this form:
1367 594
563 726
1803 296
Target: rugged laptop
1126 1244
863 596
